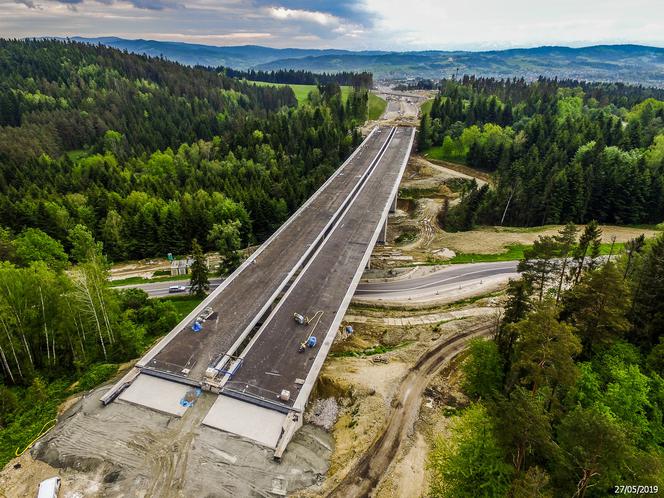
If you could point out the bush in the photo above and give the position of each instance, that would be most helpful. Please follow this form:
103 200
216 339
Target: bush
95 375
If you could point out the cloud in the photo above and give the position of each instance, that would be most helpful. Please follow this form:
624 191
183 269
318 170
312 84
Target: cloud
154 4
352 11
28 3
322 18
351 24
139 4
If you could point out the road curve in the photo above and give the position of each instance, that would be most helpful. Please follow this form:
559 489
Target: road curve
366 474
449 280
446 280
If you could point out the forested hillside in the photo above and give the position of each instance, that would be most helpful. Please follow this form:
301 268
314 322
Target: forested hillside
290 76
149 154
568 397
559 151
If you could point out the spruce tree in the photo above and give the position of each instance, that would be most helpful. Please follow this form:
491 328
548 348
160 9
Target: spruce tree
199 283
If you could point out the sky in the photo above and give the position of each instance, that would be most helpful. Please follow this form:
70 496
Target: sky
354 25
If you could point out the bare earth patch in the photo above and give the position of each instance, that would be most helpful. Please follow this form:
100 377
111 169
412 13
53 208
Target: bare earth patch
491 240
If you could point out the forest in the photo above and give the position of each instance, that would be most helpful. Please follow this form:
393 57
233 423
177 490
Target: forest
567 398
149 154
558 151
301 77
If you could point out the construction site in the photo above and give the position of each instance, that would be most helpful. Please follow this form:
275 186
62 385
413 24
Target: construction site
324 366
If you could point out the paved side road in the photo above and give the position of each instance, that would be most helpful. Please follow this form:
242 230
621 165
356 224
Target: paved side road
446 280
160 289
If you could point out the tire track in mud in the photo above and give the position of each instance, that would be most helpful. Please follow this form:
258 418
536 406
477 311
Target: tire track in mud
169 460
368 471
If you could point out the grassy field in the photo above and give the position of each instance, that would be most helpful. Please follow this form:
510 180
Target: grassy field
515 252
40 404
141 280
436 153
377 106
425 108
183 304
302 91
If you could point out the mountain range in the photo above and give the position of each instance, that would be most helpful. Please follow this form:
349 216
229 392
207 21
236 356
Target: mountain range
628 63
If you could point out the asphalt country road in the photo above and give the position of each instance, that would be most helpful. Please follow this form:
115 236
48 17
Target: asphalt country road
450 275
161 289
449 279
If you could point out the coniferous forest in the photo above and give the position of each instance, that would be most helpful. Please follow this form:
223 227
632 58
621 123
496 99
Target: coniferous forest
149 154
300 77
567 398
558 151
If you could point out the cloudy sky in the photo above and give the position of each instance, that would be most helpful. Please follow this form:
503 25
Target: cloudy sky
360 24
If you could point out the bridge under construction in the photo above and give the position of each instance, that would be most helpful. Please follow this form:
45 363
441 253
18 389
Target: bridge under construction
259 340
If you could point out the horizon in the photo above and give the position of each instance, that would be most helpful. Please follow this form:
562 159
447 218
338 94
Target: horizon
357 25
328 48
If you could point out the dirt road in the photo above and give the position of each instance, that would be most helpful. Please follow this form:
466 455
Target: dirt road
365 476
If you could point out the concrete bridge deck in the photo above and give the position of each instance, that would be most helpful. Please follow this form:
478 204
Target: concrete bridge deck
312 264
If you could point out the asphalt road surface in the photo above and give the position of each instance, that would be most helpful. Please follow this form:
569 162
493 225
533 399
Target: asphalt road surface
239 303
449 280
160 289
442 280
273 363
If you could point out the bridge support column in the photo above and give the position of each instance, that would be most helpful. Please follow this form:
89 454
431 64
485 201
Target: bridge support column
393 207
382 237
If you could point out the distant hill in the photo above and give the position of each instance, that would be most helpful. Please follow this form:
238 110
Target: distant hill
237 57
629 63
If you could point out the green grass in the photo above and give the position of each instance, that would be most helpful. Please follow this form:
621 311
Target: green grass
141 280
183 304
379 349
302 91
425 108
514 252
418 193
377 106
436 153
39 406
536 229
406 238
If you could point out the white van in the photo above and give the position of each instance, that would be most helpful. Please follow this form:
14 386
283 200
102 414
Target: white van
49 488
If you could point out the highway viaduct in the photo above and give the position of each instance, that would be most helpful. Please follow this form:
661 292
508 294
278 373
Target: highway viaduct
242 341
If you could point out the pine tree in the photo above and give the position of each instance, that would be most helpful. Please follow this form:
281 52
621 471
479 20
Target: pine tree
199 283
597 306
424 137
539 264
590 240
566 239
647 314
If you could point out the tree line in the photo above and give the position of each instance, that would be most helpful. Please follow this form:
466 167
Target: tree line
301 77
567 398
557 152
